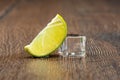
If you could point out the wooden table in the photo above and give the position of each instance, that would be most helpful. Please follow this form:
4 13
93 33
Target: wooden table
22 20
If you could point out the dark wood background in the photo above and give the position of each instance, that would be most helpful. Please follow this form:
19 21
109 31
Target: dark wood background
22 20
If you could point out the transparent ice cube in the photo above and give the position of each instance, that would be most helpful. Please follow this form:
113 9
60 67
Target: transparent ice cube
73 46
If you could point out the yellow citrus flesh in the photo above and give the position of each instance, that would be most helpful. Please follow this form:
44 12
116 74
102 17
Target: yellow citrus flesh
49 39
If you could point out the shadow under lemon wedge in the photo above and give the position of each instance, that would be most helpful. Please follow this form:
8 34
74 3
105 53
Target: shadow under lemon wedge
49 39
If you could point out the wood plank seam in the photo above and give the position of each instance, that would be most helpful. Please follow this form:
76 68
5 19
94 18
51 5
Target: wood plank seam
8 9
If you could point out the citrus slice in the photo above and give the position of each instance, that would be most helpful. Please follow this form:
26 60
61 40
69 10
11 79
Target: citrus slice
49 39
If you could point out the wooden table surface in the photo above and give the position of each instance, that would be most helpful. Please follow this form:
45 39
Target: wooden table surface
22 20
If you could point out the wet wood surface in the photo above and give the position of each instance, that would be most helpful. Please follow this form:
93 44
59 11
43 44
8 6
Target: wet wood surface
21 21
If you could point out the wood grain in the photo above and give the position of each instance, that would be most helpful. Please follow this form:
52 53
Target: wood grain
99 20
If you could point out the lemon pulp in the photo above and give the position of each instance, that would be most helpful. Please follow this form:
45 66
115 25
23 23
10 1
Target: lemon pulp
49 39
